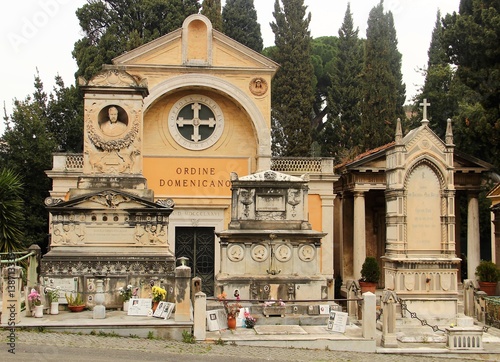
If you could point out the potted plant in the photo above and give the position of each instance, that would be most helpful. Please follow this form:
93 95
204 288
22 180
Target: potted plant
36 303
370 275
54 300
126 294
232 310
75 304
158 294
488 275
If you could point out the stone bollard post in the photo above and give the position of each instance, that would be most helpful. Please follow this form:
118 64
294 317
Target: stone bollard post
182 293
389 301
195 287
369 315
200 316
469 289
11 300
352 293
480 306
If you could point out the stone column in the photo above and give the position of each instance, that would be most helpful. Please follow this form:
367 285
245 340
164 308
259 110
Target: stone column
11 299
327 252
200 316
359 236
182 294
473 248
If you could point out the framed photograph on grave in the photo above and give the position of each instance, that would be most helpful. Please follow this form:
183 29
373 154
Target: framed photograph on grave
216 320
139 306
337 321
164 310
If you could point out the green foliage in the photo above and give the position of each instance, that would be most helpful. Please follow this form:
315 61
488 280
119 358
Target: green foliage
11 212
74 301
151 335
26 148
487 271
383 90
292 88
370 271
187 337
239 22
470 39
439 80
341 133
220 342
112 27
212 10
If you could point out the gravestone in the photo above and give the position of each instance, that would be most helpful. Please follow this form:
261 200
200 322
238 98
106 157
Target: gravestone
420 261
269 250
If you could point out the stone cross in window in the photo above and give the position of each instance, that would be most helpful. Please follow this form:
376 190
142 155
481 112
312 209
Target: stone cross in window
425 105
196 122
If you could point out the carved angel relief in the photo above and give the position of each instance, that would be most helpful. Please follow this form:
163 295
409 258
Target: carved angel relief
110 199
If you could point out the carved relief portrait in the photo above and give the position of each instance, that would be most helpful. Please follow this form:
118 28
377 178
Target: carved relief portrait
258 86
113 121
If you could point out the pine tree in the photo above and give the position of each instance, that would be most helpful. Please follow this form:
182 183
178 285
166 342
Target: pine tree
292 88
342 131
383 90
239 20
112 27
212 10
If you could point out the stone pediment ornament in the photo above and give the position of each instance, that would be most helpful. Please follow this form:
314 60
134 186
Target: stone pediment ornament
109 198
113 78
270 175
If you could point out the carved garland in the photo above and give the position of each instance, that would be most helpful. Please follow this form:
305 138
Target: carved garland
114 145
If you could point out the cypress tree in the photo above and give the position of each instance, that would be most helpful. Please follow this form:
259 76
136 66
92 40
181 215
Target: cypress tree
342 131
292 88
212 10
239 22
383 89
438 83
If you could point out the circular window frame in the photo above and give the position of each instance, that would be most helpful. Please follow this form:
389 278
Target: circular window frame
179 138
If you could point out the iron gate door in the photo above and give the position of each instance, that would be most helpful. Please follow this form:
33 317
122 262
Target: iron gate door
198 245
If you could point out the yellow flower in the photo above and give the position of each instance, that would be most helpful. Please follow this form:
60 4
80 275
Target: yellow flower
159 293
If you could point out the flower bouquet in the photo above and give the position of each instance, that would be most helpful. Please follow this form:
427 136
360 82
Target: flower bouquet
128 292
35 298
158 294
249 320
232 309
53 294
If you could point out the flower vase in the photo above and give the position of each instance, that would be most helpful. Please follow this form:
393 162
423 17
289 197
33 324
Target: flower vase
125 305
155 305
38 311
231 322
54 308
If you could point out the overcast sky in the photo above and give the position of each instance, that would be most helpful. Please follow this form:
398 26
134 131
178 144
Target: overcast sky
41 34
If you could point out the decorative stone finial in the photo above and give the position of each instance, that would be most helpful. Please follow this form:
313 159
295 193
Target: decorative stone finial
449 132
399 132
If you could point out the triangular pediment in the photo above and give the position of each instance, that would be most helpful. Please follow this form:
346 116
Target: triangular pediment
108 199
176 50
423 139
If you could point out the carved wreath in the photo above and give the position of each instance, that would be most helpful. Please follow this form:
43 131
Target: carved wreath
114 145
